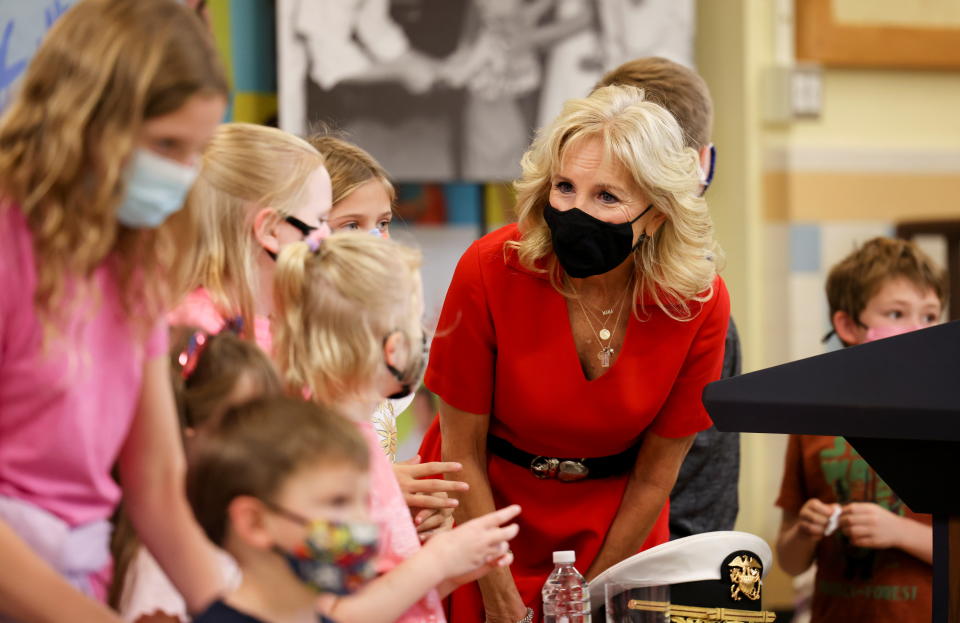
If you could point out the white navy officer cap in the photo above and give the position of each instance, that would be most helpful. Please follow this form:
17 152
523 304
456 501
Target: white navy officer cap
714 570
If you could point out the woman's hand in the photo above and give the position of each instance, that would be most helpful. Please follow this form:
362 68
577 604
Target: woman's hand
652 478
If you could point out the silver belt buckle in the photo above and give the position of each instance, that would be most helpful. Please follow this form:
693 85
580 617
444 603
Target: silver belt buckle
572 471
544 467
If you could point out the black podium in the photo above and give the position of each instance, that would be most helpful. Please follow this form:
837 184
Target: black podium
897 401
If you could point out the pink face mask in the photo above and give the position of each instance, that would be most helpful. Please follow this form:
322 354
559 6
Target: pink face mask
879 333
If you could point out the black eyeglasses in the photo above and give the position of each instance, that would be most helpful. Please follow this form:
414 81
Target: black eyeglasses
305 229
302 227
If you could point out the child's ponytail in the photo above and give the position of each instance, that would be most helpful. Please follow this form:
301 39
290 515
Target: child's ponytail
335 306
289 299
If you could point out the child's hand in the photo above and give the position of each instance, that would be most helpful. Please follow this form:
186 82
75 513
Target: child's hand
869 525
418 485
814 517
432 522
472 549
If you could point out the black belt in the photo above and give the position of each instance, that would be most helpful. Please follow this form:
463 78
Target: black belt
567 470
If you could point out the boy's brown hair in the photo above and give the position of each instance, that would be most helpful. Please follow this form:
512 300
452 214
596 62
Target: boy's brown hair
859 276
257 447
677 88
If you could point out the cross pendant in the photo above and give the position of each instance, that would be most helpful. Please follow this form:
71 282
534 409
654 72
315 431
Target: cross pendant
604 356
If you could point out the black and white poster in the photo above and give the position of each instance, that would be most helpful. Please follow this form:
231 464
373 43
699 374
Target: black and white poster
443 90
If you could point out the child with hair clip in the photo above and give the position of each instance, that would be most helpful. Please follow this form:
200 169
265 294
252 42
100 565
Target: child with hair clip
348 334
292 509
363 201
98 149
211 373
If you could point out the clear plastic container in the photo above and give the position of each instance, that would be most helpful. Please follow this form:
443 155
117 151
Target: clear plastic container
566 595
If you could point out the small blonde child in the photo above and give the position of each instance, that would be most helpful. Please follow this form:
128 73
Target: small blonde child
292 510
348 332
873 554
211 373
363 200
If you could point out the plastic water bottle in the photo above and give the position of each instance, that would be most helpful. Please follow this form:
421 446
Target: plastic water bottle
566 595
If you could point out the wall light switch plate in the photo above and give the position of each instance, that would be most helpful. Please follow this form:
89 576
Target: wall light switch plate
793 92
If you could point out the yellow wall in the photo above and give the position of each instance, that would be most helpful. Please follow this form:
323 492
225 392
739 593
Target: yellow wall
885 109
733 45
727 46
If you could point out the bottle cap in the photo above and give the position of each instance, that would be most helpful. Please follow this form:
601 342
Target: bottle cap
566 556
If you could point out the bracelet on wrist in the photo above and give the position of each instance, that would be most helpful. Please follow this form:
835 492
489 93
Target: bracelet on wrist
528 617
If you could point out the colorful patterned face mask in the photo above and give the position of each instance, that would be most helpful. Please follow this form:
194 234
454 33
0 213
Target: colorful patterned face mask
335 556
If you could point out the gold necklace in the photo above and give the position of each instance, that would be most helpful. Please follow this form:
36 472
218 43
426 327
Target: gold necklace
604 332
604 335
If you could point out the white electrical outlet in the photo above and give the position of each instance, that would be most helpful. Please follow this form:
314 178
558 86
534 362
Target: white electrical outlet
806 91
793 92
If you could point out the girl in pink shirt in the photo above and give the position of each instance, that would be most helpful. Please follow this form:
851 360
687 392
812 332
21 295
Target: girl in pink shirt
348 330
97 150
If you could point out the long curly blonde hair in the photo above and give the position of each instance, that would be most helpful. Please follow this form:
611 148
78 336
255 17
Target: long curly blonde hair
245 167
104 68
678 264
335 307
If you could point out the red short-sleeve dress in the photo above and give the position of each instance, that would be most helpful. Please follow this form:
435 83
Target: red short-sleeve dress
503 346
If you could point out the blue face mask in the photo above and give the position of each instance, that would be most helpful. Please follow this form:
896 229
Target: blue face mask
156 188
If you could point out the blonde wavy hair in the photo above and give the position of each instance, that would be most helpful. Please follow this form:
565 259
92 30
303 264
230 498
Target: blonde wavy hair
104 68
679 263
335 307
349 166
246 167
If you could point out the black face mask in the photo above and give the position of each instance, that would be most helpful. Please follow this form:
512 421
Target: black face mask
587 246
305 229
411 377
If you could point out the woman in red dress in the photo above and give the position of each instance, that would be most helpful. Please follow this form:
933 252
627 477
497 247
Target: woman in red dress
573 347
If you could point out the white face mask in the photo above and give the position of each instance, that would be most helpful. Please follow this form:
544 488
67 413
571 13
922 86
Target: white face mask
156 188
